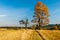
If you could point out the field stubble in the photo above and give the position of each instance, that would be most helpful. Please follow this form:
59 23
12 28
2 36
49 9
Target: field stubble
28 34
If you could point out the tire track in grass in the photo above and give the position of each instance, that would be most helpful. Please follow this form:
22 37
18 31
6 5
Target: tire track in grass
40 35
35 36
30 35
26 35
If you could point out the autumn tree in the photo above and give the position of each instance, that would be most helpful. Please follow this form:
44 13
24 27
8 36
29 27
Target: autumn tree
41 15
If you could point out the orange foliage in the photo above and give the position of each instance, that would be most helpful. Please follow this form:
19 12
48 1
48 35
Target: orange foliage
42 13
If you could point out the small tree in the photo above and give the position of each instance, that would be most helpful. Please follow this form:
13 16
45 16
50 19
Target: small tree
25 22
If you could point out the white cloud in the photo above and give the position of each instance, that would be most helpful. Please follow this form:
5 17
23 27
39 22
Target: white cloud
3 15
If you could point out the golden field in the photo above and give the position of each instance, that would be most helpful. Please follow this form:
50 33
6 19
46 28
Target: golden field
50 34
22 34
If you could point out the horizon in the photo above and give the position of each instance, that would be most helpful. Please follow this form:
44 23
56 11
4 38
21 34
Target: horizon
11 11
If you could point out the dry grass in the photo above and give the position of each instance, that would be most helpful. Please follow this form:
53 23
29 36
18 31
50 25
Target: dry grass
50 34
10 34
23 34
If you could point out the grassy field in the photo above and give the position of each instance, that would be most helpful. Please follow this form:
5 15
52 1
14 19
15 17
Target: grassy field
28 34
50 34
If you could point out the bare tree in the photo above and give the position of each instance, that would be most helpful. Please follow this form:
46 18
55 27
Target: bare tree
25 22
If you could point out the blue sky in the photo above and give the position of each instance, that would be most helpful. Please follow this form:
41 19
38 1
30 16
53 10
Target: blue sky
11 11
